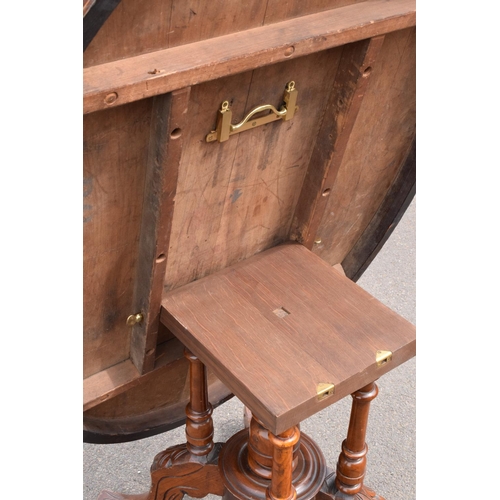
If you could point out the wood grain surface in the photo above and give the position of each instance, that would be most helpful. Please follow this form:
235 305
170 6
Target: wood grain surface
377 148
238 197
169 69
114 152
165 23
275 326
168 123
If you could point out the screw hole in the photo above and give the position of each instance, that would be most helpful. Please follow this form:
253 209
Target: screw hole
326 192
175 133
289 51
367 71
160 258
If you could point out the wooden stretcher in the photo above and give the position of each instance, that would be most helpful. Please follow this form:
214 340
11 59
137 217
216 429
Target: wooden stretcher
214 131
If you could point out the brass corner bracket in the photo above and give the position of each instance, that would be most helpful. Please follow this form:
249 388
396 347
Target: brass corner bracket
383 357
324 390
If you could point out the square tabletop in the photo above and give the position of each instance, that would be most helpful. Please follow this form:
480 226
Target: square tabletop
287 333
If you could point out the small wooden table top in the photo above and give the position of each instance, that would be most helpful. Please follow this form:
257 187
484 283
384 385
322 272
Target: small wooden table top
282 326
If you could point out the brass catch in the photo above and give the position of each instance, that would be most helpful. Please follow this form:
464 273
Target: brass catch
133 319
224 127
324 390
383 357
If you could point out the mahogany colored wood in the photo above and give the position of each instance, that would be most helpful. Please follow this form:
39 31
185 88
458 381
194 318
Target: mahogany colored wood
289 323
346 483
178 67
199 425
351 466
281 487
260 450
249 460
189 468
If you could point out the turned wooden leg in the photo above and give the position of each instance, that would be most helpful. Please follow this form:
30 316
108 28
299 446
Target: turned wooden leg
281 487
351 465
190 468
199 424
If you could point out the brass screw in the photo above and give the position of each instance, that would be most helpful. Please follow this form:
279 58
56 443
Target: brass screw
133 319
317 241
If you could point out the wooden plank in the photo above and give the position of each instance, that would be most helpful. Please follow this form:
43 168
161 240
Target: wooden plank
134 28
385 220
271 160
204 175
123 376
194 20
169 122
164 24
107 383
377 147
277 10
290 322
238 197
166 70
351 81
114 154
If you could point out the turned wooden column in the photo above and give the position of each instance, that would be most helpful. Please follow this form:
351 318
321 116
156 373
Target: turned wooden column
261 450
351 466
255 464
281 487
199 424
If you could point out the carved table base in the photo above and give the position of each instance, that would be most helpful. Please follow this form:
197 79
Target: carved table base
175 473
254 464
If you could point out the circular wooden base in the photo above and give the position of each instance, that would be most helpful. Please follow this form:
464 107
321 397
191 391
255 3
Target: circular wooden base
242 483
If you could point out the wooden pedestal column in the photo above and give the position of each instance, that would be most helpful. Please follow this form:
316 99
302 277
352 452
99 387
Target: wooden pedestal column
255 464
